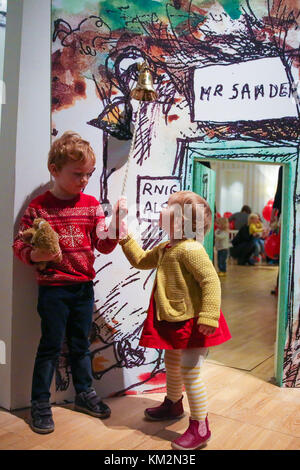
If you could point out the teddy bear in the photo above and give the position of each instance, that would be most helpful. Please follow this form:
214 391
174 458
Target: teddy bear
41 235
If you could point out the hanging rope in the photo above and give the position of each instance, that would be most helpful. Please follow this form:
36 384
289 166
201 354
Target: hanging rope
132 146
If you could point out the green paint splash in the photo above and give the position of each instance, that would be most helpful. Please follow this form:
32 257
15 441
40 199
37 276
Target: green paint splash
120 14
124 15
76 6
127 15
232 8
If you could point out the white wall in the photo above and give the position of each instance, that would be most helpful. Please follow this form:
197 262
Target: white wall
2 88
25 175
239 183
3 8
33 141
7 184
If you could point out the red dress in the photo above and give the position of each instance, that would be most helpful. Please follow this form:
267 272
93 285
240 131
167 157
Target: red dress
179 335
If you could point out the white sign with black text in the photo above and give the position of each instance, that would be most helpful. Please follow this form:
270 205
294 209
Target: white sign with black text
153 194
252 90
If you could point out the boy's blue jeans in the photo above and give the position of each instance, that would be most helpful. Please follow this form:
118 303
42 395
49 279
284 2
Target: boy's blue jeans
64 311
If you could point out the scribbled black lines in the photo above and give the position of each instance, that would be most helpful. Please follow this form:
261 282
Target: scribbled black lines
129 353
291 368
152 235
143 137
109 306
67 35
180 52
177 51
291 364
121 111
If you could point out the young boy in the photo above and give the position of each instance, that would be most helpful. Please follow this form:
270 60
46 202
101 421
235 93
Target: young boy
222 244
66 296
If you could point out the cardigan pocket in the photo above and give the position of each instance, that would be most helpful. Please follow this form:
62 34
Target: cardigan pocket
177 307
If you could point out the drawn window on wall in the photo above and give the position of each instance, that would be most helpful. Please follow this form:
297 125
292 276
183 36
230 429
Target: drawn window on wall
3 10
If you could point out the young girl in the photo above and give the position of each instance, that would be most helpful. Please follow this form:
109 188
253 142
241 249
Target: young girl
184 315
256 229
222 244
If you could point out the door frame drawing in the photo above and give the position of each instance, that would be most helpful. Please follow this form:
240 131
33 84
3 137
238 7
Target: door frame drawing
204 184
248 151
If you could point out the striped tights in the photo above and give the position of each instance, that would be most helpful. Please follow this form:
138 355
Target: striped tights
183 366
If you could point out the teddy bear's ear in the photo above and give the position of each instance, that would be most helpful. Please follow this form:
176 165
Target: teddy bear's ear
36 223
27 236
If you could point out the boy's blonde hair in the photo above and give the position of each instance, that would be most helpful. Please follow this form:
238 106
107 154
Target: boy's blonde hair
70 147
193 200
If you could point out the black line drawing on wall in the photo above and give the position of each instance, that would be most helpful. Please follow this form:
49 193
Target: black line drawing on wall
180 39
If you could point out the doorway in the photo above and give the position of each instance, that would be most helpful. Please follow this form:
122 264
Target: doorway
254 152
249 294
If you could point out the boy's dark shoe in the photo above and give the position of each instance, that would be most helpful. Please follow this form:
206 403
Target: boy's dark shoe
41 417
89 402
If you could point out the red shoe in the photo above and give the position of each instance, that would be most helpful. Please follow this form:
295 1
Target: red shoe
195 436
167 410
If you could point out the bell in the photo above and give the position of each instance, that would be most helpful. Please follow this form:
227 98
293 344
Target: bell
144 90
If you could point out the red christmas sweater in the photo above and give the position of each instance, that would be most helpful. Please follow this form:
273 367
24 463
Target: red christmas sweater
77 222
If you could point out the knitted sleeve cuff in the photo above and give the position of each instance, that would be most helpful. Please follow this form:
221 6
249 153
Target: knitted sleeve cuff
204 320
125 240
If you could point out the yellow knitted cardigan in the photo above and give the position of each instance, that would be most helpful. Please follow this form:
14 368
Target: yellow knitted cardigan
187 284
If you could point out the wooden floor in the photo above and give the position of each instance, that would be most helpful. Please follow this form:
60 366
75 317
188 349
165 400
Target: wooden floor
247 410
250 311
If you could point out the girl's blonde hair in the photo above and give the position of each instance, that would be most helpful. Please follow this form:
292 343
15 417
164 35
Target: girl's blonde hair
189 202
223 222
70 147
252 216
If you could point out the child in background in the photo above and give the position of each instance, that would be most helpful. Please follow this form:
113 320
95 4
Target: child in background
66 294
184 317
222 244
256 229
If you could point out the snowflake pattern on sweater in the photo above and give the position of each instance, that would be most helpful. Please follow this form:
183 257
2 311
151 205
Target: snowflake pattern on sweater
71 236
77 223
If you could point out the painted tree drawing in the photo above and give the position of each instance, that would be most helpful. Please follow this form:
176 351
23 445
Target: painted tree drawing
96 47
